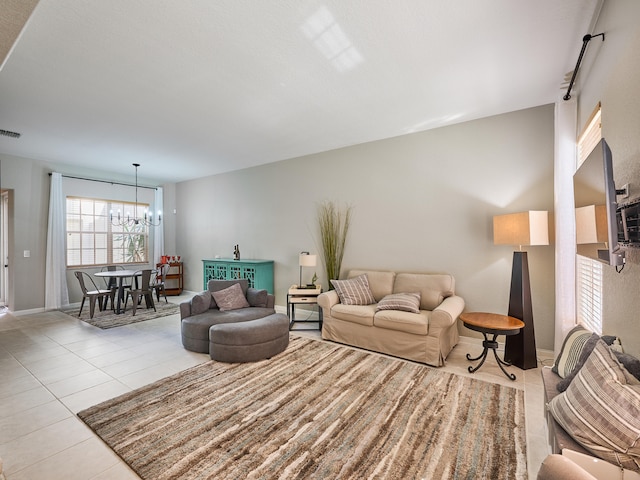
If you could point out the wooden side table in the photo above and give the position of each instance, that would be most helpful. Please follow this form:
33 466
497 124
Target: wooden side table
302 296
492 324
173 278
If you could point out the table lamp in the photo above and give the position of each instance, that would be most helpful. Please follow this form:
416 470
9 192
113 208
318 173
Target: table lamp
522 229
306 260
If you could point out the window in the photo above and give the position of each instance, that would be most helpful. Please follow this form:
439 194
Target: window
589 293
590 136
589 271
92 239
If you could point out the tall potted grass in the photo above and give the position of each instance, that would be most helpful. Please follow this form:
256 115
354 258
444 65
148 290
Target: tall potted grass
334 225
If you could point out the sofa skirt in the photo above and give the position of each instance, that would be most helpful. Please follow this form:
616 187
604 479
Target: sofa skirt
420 348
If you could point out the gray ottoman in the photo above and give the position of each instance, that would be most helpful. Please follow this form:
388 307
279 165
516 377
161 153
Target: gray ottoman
249 341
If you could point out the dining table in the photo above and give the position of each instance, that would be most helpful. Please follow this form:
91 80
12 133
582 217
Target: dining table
119 275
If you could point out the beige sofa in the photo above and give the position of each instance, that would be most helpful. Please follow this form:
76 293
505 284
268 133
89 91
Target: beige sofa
427 337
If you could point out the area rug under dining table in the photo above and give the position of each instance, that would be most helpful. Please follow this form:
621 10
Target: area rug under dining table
109 319
317 410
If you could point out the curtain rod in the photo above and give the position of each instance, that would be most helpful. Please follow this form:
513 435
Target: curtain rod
585 41
108 181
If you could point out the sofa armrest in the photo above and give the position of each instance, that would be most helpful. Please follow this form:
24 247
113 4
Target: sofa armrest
327 300
447 312
185 309
558 467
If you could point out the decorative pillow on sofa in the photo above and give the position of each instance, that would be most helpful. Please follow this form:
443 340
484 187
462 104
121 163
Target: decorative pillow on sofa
570 352
257 298
586 351
354 291
230 298
406 302
201 303
601 409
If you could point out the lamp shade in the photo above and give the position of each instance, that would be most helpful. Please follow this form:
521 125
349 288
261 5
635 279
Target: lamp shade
524 228
591 224
307 260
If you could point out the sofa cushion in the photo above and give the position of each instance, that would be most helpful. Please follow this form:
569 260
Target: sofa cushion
380 282
231 298
601 409
416 323
630 363
406 302
257 298
201 302
354 291
433 289
361 314
195 329
570 351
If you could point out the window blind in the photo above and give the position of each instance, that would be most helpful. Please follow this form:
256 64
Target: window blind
589 293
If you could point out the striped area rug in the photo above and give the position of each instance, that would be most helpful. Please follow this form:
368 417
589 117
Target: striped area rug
317 410
109 319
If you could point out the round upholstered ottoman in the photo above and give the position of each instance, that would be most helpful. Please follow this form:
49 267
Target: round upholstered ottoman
249 341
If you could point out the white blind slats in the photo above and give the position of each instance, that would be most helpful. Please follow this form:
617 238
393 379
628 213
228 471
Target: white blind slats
589 291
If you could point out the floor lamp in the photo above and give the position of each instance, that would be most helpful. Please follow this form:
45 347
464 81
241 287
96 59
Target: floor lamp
522 229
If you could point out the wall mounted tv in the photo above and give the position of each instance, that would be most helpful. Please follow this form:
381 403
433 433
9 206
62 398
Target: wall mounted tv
595 202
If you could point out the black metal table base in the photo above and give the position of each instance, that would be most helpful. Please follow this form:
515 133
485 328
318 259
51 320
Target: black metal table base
487 345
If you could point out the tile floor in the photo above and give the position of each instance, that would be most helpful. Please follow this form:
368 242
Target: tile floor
52 366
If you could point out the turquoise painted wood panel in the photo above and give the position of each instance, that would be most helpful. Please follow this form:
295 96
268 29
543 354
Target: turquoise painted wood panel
259 273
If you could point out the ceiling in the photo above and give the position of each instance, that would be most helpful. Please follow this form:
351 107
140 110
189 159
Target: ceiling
191 89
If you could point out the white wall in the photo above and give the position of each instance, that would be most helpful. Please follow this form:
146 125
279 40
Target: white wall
422 202
611 76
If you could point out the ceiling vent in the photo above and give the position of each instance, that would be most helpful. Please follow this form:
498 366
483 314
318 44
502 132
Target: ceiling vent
8 133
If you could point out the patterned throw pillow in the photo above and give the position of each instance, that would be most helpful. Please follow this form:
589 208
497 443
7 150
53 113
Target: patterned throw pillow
230 298
601 409
587 348
406 302
354 291
570 352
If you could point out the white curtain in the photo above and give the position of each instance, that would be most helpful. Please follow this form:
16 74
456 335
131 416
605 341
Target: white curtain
565 265
56 291
158 232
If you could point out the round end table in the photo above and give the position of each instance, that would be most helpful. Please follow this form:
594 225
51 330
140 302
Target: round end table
491 324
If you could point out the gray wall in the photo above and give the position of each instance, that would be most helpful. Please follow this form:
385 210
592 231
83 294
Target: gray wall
611 77
422 203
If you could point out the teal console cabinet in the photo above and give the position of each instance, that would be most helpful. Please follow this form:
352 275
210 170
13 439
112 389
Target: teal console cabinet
259 273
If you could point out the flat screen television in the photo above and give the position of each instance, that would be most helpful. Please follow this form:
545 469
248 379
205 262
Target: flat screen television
596 204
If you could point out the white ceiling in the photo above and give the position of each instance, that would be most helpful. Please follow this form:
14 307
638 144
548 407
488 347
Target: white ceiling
190 89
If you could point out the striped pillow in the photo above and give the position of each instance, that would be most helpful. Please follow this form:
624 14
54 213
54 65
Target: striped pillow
354 291
570 352
406 302
601 409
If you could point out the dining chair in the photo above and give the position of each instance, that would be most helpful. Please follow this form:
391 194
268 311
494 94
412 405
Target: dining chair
143 291
93 295
159 279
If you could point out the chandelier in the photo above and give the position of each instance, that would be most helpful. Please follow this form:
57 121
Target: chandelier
128 220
